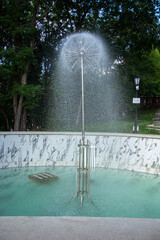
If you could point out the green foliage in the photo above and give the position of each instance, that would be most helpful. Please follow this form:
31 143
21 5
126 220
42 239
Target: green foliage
150 73
23 56
13 60
32 94
154 59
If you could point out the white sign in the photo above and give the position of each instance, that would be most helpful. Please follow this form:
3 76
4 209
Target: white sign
136 100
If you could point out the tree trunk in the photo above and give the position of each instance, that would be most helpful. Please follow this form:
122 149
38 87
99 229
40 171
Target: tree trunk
20 112
18 105
5 116
23 120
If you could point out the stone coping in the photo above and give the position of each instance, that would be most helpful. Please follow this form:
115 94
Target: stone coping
78 228
79 134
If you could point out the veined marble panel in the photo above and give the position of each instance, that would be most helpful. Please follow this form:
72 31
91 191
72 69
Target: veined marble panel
111 151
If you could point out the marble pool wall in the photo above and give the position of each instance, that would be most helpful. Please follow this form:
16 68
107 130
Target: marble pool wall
133 152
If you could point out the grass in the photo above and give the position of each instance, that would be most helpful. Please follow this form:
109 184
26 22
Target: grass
125 126
145 118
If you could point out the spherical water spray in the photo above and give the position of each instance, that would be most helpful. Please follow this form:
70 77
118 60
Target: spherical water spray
84 51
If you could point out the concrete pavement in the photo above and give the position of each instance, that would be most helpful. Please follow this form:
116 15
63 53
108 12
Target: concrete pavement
78 228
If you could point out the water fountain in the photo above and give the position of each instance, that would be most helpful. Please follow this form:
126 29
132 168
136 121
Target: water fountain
83 51
94 65
81 58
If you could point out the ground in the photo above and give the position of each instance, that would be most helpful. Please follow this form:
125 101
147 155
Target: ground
78 228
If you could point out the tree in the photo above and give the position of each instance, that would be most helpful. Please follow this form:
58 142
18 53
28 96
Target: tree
18 20
150 74
20 37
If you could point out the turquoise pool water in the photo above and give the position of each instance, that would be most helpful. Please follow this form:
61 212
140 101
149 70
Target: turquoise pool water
115 193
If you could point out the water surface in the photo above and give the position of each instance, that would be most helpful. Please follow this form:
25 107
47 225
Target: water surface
115 193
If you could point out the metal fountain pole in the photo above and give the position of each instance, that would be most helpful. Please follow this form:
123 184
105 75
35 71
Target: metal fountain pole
82 76
83 169
83 131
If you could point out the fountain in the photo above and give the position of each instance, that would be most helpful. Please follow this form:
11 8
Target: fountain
93 63
82 61
82 53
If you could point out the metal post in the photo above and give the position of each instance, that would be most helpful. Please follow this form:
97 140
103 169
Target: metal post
136 119
82 76
83 132
84 160
137 81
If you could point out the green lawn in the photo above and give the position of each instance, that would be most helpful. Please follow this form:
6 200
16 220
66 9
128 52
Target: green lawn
145 118
121 127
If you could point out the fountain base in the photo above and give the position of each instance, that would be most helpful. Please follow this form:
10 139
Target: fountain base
84 165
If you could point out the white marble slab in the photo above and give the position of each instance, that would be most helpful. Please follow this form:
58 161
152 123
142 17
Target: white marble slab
121 151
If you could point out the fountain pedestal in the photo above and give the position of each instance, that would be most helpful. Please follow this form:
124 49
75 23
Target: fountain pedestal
86 161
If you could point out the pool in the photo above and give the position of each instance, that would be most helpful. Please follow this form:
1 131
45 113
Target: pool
115 193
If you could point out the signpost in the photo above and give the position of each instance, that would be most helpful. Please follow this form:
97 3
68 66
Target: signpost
136 101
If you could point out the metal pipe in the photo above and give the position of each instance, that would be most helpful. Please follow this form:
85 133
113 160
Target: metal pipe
83 132
87 167
82 187
136 115
82 76
80 163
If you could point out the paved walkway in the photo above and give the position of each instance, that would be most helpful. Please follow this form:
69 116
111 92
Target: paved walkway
78 228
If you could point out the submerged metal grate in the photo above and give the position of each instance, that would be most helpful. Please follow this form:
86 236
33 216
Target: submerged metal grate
43 177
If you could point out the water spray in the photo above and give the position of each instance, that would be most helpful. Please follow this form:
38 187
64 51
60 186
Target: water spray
83 49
